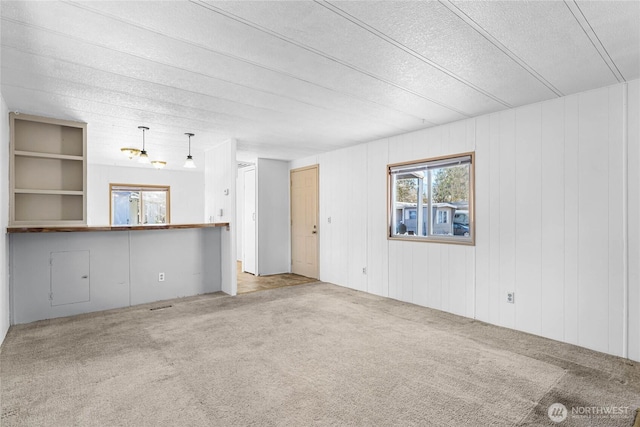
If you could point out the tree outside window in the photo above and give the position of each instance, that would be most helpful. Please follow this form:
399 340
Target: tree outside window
431 199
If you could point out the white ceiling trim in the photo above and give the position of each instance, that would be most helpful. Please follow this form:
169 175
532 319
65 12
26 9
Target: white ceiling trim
491 39
330 6
239 58
308 48
593 38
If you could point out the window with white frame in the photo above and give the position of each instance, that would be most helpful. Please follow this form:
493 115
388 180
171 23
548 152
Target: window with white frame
432 199
139 204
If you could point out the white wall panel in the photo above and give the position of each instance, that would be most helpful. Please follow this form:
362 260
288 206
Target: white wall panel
377 222
124 267
434 272
549 194
552 219
220 205
396 252
496 295
421 275
190 259
528 210
571 218
593 220
633 231
355 201
274 226
457 265
406 271
304 162
507 226
334 203
240 211
470 282
187 188
5 315
445 281
483 218
615 232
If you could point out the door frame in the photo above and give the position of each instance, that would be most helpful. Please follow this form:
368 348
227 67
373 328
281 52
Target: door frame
255 220
291 171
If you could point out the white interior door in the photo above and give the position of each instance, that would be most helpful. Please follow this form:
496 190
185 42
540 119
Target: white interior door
249 222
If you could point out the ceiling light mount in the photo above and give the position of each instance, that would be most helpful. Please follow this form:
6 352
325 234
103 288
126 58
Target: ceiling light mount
143 156
189 163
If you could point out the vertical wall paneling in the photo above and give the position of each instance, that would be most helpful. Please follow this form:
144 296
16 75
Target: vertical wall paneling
325 226
483 217
395 268
421 275
552 208
633 228
239 212
571 218
377 248
187 188
615 204
528 210
457 264
273 224
220 205
407 270
496 295
434 271
550 189
5 304
445 279
593 212
507 227
355 201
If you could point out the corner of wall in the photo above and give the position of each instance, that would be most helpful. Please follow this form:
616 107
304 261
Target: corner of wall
5 307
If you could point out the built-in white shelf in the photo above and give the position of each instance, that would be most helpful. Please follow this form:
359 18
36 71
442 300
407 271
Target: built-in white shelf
48 171
48 155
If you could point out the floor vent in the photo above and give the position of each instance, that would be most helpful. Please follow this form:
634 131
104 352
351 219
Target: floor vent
160 308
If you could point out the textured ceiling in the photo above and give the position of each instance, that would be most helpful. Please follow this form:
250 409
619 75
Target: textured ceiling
291 79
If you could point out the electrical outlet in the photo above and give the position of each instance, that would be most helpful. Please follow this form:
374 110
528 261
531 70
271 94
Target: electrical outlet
364 270
160 277
511 297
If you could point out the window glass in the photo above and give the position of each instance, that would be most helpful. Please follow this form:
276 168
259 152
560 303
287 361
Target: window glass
139 205
431 199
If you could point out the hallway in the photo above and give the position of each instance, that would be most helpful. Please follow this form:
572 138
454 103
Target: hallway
250 283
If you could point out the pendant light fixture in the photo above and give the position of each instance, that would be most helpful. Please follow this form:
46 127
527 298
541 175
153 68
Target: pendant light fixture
144 158
158 164
189 163
130 152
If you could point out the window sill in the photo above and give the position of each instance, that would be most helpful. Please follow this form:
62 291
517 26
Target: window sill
435 239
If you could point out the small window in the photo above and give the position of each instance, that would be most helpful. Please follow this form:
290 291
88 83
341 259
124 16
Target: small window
432 199
442 217
139 204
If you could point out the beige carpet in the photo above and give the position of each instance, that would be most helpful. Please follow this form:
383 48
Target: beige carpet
313 354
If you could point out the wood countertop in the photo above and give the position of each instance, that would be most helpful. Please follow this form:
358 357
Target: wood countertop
62 229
